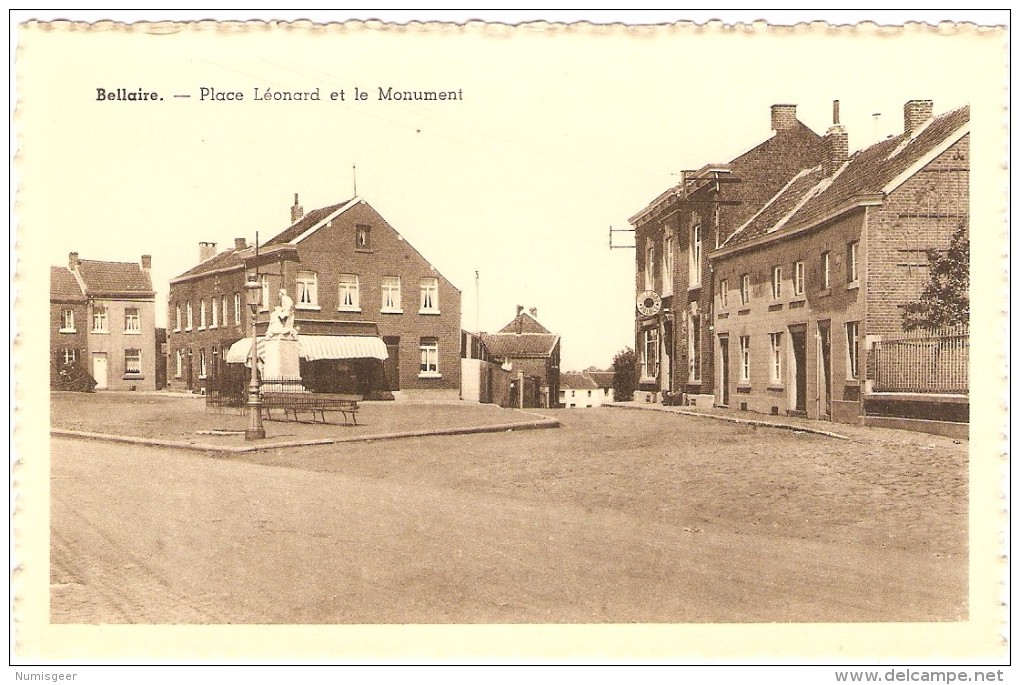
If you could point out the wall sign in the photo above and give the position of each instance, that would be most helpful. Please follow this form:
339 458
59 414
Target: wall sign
649 303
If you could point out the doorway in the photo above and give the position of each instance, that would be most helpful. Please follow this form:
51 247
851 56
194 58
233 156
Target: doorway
392 364
824 370
798 347
99 370
724 370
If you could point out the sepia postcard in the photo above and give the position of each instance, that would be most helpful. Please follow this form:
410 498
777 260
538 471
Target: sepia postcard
460 341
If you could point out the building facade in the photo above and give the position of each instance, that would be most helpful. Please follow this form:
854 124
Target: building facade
102 319
585 389
805 286
529 357
674 235
356 285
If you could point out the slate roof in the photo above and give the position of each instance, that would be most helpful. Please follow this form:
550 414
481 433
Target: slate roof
64 286
304 223
528 324
509 345
126 278
574 380
811 197
604 379
223 260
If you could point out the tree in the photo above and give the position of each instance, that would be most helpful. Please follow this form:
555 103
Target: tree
624 375
945 301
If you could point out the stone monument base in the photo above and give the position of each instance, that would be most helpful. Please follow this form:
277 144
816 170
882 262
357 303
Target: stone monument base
281 366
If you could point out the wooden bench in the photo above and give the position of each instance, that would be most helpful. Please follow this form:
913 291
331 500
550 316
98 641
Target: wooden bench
315 403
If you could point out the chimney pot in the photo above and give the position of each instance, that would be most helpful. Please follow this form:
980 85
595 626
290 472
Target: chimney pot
240 244
73 261
835 111
206 251
784 117
296 211
915 113
146 261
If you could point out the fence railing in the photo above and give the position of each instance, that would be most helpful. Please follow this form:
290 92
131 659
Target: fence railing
922 362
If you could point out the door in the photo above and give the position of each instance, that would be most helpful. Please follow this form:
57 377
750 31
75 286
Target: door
824 370
798 344
724 369
99 371
392 363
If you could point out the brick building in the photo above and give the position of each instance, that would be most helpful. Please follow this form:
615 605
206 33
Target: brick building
102 323
530 354
824 267
674 235
374 317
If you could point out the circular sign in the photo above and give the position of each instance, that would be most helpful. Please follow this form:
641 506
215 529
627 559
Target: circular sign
649 303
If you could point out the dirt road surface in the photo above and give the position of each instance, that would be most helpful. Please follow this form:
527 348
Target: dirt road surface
616 517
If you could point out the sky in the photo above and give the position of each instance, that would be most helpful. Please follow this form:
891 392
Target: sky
560 135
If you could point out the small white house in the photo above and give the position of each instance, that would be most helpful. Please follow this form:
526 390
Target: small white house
586 388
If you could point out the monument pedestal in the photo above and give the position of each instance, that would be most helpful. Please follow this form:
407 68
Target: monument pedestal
281 365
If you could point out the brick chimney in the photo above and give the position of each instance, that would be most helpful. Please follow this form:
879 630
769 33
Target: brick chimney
534 313
837 144
240 244
520 310
297 211
73 261
146 261
915 113
784 117
206 251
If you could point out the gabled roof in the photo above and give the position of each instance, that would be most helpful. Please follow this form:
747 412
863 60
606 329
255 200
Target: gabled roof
510 345
224 260
64 286
604 379
811 197
126 278
524 323
577 381
308 222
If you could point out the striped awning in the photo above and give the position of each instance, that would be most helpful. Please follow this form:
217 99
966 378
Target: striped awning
315 347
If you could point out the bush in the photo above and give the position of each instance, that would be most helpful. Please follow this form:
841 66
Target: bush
624 375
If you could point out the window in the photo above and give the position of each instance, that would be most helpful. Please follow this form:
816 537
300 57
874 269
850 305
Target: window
650 354
264 303
363 238
391 294
724 296
177 325
825 270
429 296
201 362
852 345
180 363
798 278
215 314
777 282
649 265
132 320
99 319
67 321
745 288
694 349
189 317
429 357
667 263
307 290
695 252
851 262
223 309
776 343
745 359
348 296
70 355
237 309
215 359
201 315
132 362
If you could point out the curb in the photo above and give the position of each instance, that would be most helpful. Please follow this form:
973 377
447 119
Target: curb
544 422
731 419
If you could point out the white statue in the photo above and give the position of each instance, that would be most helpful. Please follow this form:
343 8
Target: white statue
281 322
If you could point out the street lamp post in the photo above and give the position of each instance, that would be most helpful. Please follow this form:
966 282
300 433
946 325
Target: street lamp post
255 430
